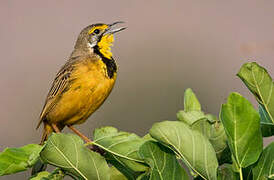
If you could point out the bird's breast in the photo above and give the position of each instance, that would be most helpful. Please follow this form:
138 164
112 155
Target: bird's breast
89 87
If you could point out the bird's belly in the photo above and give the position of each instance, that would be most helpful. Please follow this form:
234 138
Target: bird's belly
81 100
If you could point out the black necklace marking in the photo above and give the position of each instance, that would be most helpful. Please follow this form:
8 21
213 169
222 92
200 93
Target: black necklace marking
110 63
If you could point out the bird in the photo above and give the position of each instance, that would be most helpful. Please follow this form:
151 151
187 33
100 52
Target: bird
83 83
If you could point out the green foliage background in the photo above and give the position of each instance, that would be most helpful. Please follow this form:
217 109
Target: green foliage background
228 147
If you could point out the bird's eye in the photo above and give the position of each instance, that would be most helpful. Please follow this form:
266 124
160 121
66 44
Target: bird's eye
96 31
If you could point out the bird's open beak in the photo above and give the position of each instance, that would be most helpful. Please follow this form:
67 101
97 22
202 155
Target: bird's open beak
112 29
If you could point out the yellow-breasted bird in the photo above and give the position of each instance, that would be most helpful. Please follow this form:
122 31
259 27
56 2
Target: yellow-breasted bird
83 83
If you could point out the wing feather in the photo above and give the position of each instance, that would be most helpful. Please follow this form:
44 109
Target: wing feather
59 84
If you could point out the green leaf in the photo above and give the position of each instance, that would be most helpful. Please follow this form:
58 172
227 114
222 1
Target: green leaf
265 118
148 137
267 127
214 132
191 103
190 117
260 83
122 146
129 173
44 175
14 160
192 108
162 161
225 172
40 176
194 148
242 126
235 166
67 151
116 175
212 118
264 168
207 124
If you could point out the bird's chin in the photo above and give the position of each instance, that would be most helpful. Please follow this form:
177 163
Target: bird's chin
92 45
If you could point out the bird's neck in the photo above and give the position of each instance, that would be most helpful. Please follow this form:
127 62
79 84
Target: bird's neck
81 52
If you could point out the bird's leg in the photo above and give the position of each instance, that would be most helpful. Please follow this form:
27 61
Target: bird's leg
55 128
85 138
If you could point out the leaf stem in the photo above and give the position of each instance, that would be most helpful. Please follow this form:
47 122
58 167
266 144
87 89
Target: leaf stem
88 143
241 174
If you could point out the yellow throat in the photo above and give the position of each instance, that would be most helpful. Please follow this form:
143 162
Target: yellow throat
105 45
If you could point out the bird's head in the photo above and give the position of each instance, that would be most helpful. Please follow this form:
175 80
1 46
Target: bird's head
98 38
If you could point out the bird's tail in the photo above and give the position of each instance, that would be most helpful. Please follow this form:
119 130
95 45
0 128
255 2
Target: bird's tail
47 130
39 165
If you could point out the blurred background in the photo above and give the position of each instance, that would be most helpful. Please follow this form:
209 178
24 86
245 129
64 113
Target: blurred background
168 47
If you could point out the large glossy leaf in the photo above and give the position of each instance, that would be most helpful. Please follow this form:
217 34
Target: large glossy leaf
260 83
14 160
122 150
67 151
162 161
194 148
123 146
242 126
264 168
267 127
214 132
191 103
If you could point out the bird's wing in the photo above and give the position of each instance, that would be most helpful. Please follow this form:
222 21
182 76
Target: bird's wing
59 84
